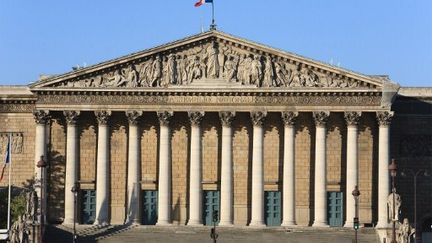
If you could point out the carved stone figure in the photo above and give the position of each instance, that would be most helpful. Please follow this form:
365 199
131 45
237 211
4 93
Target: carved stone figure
268 74
244 70
131 77
230 69
282 76
311 79
405 232
156 72
397 203
171 71
222 58
212 61
256 71
145 73
116 80
195 70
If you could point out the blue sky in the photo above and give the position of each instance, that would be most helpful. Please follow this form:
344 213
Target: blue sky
369 36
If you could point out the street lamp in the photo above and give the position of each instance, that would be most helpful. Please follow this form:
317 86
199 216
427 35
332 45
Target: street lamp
356 194
75 190
42 165
414 174
393 172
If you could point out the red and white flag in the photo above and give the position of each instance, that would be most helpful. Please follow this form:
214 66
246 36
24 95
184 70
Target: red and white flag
201 2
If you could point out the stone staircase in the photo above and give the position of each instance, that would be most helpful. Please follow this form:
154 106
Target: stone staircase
186 234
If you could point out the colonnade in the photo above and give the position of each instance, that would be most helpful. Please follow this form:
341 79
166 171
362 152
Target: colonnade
226 183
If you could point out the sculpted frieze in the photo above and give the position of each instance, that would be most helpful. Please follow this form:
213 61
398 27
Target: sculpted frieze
211 60
351 100
16 145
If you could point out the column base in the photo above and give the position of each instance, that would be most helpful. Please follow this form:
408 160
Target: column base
382 225
163 223
320 224
68 222
257 224
226 224
194 223
349 224
101 223
288 223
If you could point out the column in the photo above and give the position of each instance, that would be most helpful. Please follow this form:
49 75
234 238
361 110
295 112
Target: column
41 118
257 216
102 168
72 157
164 182
351 119
384 119
320 187
195 188
288 200
134 169
226 206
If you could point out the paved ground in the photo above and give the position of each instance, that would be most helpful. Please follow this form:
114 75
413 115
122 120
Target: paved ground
183 234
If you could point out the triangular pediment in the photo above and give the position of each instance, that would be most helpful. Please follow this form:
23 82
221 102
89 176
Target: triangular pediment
212 59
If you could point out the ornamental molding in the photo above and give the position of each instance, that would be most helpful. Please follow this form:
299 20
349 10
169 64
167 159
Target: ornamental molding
133 116
195 117
201 59
41 116
258 117
352 117
71 117
164 117
320 118
384 118
289 117
226 117
102 117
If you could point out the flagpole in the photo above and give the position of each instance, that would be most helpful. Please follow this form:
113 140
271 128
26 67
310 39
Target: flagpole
213 25
9 183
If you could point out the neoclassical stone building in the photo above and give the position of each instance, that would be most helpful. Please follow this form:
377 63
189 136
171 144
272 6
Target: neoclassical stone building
216 122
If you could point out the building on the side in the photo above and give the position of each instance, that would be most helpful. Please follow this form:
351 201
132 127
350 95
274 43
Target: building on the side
216 122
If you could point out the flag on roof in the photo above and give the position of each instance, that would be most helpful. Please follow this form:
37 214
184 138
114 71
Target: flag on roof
201 2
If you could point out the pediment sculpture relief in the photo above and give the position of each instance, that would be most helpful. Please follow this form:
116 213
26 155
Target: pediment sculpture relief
212 61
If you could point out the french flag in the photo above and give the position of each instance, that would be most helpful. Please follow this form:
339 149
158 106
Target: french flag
201 2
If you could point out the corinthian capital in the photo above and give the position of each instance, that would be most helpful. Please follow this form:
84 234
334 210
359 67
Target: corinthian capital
384 117
195 117
71 117
102 117
41 116
164 117
226 117
258 117
320 118
289 117
133 116
352 117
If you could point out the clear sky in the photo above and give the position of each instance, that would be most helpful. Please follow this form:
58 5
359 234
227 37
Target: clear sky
392 37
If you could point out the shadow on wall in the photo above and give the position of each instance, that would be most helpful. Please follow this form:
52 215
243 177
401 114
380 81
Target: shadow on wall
56 187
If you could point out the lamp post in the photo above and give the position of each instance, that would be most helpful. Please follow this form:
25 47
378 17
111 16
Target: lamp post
356 194
75 190
393 171
414 174
42 165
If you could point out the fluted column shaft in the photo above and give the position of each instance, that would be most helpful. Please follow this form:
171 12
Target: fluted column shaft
195 187
352 165
289 169
384 119
72 158
320 190
134 169
226 206
164 181
102 169
257 217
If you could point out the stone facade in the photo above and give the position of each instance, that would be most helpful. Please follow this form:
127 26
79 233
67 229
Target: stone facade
157 80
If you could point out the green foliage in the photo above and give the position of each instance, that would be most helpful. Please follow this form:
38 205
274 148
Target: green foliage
18 206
